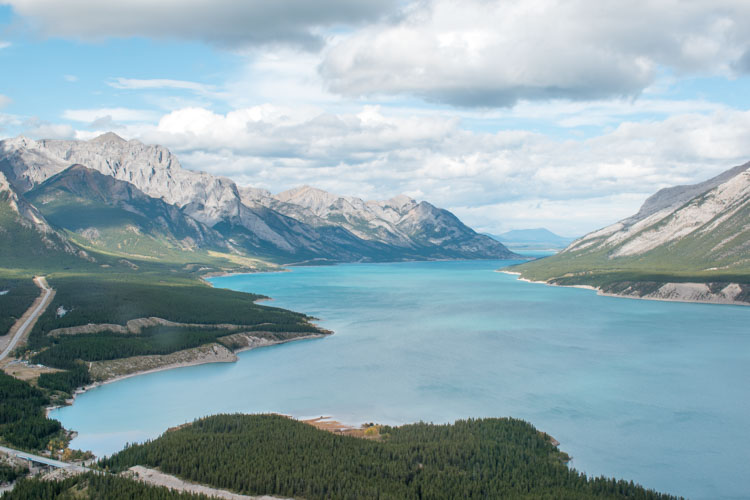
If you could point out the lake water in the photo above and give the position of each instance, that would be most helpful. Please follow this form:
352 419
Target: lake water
656 392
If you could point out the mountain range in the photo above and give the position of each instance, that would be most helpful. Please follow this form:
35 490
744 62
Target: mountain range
132 199
686 242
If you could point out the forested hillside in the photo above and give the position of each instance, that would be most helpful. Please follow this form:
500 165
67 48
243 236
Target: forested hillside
16 295
22 420
275 455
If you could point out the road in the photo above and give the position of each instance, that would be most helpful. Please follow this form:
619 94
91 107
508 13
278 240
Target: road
44 460
35 312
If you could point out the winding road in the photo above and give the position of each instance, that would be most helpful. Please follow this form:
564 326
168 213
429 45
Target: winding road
36 309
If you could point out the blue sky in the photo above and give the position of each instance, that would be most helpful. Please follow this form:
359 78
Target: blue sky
513 114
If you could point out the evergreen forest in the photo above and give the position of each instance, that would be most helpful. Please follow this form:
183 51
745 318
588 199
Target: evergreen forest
275 455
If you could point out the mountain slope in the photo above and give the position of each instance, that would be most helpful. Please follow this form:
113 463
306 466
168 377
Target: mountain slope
291 227
25 235
115 216
698 234
417 227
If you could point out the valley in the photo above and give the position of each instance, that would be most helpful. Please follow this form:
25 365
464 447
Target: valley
418 249
127 266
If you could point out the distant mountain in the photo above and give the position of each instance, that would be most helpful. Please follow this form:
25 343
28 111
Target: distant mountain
301 225
538 239
417 227
698 234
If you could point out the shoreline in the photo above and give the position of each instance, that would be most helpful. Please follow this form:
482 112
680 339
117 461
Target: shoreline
196 362
514 273
602 293
184 364
221 274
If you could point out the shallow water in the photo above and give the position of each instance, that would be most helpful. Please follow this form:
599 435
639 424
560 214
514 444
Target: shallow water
656 392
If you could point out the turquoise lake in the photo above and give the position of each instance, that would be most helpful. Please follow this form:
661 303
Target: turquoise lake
656 392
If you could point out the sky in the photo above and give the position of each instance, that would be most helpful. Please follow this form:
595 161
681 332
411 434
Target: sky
512 114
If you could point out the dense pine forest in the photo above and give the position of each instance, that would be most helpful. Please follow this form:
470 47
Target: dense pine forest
100 299
117 298
94 487
275 455
63 351
23 423
16 296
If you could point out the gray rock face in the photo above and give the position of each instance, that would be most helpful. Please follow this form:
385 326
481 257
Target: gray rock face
27 214
24 217
152 169
297 225
79 186
706 222
399 221
673 197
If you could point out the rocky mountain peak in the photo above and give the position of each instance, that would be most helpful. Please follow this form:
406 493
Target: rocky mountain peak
699 212
399 201
108 137
673 197
253 196
20 141
313 198
300 223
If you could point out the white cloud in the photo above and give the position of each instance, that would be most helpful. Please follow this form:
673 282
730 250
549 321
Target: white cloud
4 100
115 114
161 83
300 133
604 112
278 76
70 78
41 129
495 181
7 123
495 53
4 45
224 22
573 217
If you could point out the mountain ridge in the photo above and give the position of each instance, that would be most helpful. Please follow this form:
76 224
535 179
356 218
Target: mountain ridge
299 225
697 234
26 233
96 206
